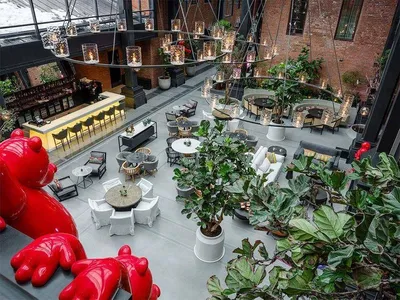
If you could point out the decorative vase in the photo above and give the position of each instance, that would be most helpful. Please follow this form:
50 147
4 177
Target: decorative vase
276 134
164 82
209 249
191 70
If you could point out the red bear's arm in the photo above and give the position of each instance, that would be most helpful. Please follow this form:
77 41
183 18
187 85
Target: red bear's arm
12 196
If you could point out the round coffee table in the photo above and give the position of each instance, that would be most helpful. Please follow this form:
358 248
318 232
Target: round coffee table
124 203
180 147
136 158
83 172
264 102
278 150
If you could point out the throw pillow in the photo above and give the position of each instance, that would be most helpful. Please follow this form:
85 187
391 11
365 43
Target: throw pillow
280 158
95 160
261 156
56 185
323 157
308 152
265 165
271 157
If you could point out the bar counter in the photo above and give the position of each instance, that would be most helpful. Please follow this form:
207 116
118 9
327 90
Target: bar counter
45 132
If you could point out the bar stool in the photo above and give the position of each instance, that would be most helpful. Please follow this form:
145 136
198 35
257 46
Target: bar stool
101 117
61 136
120 108
77 128
110 113
89 122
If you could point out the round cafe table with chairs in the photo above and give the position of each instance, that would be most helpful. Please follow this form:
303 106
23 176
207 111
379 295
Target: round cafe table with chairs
185 146
136 158
121 202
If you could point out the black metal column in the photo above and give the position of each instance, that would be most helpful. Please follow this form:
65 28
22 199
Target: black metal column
245 20
131 88
385 93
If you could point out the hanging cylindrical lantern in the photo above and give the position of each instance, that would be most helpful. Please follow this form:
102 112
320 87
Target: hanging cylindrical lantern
274 51
167 48
200 55
162 42
176 25
281 75
220 76
265 42
199 27
209 50
149 24
266 116
54 34
324 84
327 117
227 58
90 53
344 111
177 54
250 38
251 56
168 38
257 72
298 119
94 25
46 41
180 36
236 73
121 24
208 82
228 42
217 32
214 101
134 56
235 111
61 48
339 93
205 91
267 55
70 29
303 78
348 99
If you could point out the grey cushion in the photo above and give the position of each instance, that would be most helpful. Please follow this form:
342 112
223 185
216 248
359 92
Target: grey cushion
151 158
319 148
96 154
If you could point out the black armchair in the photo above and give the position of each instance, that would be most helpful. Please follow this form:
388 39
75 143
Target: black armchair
191 111
65 189
97 161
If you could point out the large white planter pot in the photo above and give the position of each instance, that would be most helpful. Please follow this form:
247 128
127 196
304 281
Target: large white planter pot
191 70
164 83
276 134
209 249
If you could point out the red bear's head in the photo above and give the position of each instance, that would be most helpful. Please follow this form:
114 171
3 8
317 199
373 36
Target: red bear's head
27 160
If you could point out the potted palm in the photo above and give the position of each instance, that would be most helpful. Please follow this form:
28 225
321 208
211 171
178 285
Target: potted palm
164 81
221 166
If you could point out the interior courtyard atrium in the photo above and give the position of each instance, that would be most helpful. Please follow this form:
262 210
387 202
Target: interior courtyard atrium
199 149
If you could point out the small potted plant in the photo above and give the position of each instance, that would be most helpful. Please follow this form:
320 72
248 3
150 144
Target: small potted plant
146 121
164 81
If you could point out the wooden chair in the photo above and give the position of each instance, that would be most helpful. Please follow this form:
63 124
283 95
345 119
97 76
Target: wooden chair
120 110
242 131
334 126
181 119
308 120
185 132
61 136
255 111
144 150
318 125
131 172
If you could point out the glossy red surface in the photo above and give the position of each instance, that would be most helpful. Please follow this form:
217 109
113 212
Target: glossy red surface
364 148
38 261
2 224
96 279
24 170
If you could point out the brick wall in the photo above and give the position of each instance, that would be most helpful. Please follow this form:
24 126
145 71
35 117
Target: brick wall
356 55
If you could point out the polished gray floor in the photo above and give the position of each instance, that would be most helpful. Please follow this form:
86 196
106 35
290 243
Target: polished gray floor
168 245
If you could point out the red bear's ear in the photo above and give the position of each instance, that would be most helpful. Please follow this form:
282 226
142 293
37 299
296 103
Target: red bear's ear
125 249
35 143
142 265
17 133
53 167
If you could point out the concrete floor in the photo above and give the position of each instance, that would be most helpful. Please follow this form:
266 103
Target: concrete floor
168 245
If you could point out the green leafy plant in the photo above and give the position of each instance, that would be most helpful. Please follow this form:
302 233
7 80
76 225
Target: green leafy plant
7 121
7 87
221 168
49 73
338 252
383 59
165 61
225 23
352 78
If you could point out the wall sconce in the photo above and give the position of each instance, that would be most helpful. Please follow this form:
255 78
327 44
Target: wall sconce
228 42
227 58
209 50
200 56
324 84
199 27
149 24
236 73
121 24
298 119
134 56
176 25
177 54
217 32
266 116
70 29
220 76
180 36
61 48
94 26
90 53
251 56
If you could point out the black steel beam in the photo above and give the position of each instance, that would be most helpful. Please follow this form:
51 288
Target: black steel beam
385 93
393 28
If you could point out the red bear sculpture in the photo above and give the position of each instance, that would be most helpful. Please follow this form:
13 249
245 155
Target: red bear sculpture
24 170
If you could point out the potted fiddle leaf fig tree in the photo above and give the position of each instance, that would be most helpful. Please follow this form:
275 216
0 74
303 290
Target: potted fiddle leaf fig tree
164 81
346 251
221 167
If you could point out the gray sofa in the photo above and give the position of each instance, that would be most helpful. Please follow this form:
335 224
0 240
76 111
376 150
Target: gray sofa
332 163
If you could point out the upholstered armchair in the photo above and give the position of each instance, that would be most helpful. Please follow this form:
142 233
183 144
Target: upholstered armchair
121 158
122 223
101 212
97 161
150 164
64 189
146 187
111 183
147 211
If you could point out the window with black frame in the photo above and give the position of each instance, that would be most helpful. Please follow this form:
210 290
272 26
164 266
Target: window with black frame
348 19
228 9
297 17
